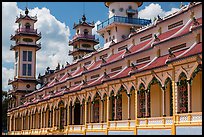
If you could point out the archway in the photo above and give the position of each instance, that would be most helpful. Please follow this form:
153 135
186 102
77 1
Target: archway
155 93
96 106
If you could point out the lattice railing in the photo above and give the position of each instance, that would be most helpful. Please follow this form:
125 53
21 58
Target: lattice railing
155 121
123 123
92 126
189 117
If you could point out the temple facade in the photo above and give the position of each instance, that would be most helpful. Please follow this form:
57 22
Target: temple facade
147 78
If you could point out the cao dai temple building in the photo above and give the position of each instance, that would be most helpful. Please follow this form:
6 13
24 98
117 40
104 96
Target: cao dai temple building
145 80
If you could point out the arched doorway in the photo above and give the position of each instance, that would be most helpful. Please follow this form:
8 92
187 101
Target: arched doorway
155 92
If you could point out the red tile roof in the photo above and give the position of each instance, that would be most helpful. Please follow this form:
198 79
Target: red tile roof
95 65
115 57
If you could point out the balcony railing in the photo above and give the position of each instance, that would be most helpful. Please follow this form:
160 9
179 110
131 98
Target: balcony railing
189 118
119 19
160 121
150 123
23 43
24 30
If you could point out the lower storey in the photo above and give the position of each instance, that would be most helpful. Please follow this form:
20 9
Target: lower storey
179 124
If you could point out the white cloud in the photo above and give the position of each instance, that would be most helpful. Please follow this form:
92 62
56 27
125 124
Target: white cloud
153 10
7 73
54 41
95 28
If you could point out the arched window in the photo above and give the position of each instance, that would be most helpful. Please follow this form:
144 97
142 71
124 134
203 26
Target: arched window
86 32
96 109
141 101
27 25
183 93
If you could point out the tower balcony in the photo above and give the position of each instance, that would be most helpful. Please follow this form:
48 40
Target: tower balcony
120 19
83 37
38 46
26 31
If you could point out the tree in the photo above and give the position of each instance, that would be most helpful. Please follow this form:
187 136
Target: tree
5 101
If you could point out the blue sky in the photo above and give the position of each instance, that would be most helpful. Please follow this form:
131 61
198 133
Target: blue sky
55 22
70 12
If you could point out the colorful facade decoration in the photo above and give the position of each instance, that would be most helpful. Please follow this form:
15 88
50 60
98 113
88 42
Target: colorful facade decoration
146 80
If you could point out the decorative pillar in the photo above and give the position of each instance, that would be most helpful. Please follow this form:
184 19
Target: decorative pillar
14 122
41 121
107 115
53 122
59 116
129 107
163 101
189 96
89 112
136 104
68 109
85 114
28 122
115 110
22 128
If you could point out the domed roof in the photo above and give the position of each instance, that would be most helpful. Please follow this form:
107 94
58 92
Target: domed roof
138 3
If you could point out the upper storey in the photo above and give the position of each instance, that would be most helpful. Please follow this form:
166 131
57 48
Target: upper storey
123 16
26 34
123 8
83 41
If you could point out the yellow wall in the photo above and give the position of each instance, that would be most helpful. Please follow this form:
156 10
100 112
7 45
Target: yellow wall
156 101
197 93
124 106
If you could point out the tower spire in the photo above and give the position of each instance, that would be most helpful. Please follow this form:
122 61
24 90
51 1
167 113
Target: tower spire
26 10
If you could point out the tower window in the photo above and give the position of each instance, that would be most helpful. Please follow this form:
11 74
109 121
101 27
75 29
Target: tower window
27 69
24 55
27 25
27 56
86 32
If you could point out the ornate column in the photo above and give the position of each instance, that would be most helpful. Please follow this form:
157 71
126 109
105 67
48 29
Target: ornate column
41 121
53 118
14 125
85 114
163 101
129 107
189 95
107 115
115 108
135 104
22 123
68 109
28 122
